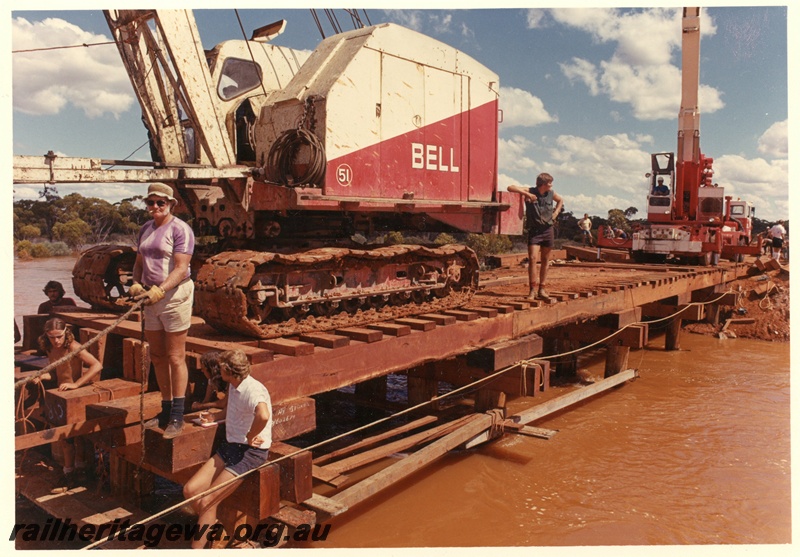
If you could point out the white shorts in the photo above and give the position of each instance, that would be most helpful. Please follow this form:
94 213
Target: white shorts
174 313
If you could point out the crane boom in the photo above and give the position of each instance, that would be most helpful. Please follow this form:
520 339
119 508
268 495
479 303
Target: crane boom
689 115
164 57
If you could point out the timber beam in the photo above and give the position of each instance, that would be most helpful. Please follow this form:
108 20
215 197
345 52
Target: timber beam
619 319
632 335
552 406
688 312
392 474
516 381
503 354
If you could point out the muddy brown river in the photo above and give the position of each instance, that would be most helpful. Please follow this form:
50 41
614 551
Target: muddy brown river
695 451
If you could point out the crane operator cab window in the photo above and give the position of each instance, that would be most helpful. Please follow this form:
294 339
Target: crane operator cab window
238 77
660 196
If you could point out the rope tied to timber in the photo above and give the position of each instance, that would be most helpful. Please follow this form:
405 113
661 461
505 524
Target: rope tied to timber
498 423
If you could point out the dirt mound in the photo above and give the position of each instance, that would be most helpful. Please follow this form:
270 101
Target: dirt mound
763 297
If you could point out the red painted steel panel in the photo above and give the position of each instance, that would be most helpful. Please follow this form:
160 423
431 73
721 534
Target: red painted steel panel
425 162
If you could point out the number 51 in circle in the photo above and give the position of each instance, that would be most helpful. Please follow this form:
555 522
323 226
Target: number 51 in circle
344 174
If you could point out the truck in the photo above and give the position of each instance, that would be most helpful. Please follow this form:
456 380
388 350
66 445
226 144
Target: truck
689 217
283 159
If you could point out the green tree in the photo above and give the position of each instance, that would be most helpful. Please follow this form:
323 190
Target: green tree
41 250
74 233
49 211
124 218
488 244
28 232
394 238
133 216
617 219
444 238
99 214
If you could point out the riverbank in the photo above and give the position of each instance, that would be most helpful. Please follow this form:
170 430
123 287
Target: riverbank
764 299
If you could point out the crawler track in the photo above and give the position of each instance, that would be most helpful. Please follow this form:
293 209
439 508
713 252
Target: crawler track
267 294
270 294
100 271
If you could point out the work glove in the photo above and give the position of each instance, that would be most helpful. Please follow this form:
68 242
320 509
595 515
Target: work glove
151 296
135 289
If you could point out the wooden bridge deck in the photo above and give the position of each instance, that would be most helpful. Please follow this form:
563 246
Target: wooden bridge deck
297 368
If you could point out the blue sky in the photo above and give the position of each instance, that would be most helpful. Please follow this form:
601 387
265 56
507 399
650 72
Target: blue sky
587 94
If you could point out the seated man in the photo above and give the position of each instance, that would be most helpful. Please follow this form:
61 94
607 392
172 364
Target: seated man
661 189
248 436
55 294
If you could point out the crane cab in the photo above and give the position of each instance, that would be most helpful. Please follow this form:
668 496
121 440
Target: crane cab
662 187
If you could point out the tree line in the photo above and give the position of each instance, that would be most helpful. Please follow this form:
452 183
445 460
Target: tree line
55 225
75 220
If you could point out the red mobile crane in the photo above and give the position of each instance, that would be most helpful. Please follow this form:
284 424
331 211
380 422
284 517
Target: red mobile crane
688 216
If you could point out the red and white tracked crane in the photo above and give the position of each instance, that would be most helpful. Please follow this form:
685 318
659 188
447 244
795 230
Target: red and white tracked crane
284 156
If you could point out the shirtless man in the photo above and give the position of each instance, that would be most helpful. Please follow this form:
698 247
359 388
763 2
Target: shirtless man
58 341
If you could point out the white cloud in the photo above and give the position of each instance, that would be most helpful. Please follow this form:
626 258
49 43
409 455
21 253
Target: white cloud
536 18
745 178
89 78
504 180
407 18
521 108
614 163
640 73
511 154
610 166
583 71
595 205
441 24
112 193
425 22
775 141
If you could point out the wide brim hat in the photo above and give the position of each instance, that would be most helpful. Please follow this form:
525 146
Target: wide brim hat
161 190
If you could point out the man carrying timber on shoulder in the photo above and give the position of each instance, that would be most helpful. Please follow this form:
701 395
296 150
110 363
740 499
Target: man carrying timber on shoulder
540 215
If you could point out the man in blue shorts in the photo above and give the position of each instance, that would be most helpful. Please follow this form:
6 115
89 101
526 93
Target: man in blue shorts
540 215
248 436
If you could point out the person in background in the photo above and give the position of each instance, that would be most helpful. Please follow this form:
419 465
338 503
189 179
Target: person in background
777 234
248 436
540 214
585 224
162 279
215 386
54 291
56 342
766 242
